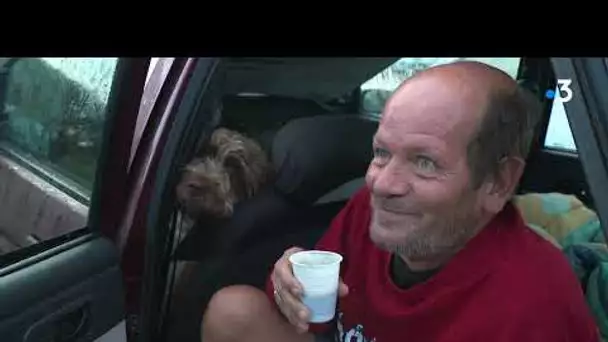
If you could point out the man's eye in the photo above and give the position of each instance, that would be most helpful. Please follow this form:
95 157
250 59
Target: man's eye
381 153
425 164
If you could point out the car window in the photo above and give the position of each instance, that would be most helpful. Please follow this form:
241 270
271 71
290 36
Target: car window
51 126
559 136
376 91
54 113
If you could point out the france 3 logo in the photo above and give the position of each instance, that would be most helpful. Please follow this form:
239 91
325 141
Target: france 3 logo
562 93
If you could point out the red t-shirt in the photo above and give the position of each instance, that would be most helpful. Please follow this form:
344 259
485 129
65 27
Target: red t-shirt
508 284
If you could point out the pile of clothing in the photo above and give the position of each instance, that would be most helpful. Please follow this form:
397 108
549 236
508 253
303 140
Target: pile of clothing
574 228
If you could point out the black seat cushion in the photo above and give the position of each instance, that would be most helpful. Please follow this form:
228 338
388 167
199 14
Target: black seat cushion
267 217
255 256
318 154
258 215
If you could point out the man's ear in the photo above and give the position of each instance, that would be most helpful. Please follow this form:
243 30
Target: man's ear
503 185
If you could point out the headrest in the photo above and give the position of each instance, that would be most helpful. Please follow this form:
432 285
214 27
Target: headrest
315 155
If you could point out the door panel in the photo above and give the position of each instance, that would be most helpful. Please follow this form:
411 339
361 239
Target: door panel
75 291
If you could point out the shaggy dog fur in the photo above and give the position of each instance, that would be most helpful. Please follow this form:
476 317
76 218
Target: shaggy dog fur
231 168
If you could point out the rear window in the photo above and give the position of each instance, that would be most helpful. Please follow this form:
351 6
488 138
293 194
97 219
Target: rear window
378 89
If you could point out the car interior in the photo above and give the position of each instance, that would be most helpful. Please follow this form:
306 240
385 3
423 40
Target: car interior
318 136
313 117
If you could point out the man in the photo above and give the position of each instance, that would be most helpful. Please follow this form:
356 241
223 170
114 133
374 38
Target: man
433 249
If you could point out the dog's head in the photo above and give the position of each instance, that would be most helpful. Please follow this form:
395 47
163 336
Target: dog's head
245 161
205 187
230 168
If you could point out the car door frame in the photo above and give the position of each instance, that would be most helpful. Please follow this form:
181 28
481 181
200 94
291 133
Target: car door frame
191 115
162 100
587 113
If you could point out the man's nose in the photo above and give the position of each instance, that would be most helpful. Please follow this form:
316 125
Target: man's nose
391 180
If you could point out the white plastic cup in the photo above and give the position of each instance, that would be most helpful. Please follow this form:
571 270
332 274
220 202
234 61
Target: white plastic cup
319 274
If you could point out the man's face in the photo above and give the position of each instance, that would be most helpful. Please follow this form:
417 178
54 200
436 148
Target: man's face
423 202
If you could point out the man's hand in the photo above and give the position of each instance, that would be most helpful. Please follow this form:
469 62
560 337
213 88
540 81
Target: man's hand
288 292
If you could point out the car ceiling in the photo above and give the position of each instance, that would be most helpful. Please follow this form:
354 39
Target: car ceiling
314 77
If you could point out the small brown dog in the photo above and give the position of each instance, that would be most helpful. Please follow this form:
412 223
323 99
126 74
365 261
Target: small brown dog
231 168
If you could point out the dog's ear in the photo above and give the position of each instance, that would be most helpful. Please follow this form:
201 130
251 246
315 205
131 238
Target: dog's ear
244 160
211 145
219 139
240 177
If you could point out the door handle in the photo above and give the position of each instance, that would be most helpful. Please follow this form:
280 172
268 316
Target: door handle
67 325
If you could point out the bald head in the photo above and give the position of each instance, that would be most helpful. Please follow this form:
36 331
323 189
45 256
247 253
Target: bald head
484 102
470 69
470 83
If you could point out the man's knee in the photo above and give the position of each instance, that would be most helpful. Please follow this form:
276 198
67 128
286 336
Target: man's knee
236 308
244 313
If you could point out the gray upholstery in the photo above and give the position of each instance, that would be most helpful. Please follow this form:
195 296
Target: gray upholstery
342 193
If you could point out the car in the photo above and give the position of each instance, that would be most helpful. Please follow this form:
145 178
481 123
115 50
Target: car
93 245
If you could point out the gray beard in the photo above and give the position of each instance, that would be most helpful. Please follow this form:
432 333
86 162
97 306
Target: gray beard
440 244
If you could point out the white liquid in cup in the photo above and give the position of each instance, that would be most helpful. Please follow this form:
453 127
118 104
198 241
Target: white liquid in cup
319 274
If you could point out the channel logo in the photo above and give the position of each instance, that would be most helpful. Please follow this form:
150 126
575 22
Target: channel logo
563 92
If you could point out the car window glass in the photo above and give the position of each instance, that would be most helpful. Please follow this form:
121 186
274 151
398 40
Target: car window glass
559 136
378 89
51 125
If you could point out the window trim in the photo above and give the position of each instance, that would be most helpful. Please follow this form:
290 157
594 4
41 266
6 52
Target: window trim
29 255
560 152
47 172
110 192
193 92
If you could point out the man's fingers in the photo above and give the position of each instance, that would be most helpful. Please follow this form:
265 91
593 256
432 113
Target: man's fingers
295 307
342 289
295 320
291 251
285 274
287 280
296 313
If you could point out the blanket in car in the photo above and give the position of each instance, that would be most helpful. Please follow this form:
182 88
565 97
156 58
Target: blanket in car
576 229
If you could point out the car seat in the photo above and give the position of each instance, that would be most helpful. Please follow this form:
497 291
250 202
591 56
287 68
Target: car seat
321 162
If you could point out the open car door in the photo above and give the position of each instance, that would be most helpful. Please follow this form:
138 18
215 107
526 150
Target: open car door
66 128
581 85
